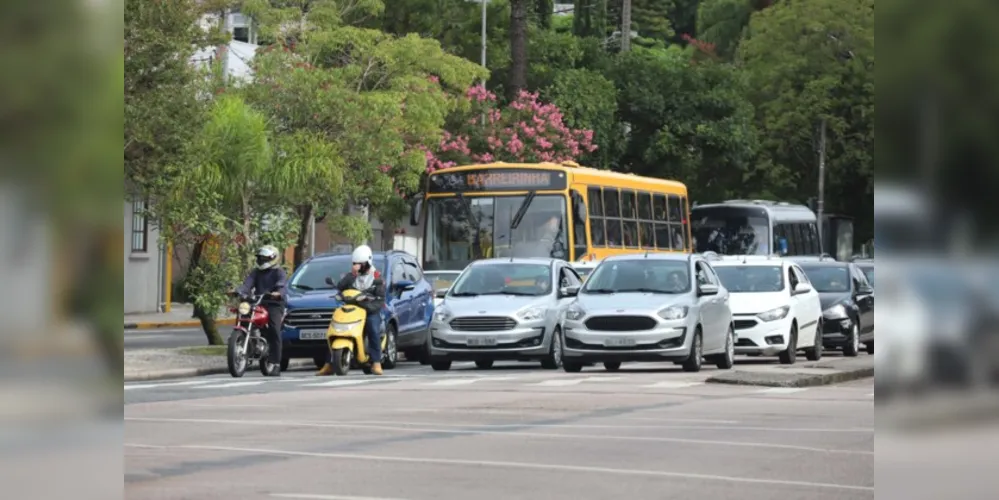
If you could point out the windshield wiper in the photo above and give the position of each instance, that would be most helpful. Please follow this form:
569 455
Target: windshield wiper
644 290
303 287
600 290
520 294
464 294
522 211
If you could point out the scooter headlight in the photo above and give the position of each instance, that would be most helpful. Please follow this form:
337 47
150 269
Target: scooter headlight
344 327
244 308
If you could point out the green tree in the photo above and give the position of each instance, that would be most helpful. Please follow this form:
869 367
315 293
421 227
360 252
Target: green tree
808 62
588 101
722 23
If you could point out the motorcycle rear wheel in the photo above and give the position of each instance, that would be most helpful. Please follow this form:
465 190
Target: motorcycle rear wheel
235 357
341 361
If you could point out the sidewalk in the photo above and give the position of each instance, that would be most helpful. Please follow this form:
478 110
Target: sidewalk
180 316
155 364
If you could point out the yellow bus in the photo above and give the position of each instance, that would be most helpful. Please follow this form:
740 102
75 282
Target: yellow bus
563 211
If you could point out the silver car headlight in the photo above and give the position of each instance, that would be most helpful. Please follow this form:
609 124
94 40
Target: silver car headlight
574 313
673 312
775 314
532 313
442 315
244 308
837 311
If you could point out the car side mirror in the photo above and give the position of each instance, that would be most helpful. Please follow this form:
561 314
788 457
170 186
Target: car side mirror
801 288
568 291
441 293
706 289
865 290
329 281
404 285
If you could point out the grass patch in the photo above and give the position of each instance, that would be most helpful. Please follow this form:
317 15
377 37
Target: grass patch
208 350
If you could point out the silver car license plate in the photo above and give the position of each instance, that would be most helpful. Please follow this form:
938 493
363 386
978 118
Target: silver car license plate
312 334
482 341
619 342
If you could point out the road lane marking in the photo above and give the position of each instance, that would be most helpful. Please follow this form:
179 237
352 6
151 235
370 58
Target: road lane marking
565 382
467 381
339 383
672 385
520 465
591 437
132 387
232 384
306 496
781 390
536 414
472 425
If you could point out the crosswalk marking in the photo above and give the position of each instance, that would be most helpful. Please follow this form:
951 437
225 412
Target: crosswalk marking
780 390
565 382
339 383
232 384
672 385
167 384
467 381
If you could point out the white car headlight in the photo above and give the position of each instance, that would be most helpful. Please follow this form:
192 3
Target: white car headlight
532 313
574 313
837 311
775 314
674 312
244 308
442 315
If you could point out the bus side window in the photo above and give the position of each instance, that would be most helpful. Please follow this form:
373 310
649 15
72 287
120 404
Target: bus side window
813 238
685 214
629 218
676 220
661 220
578 225
646 225
779 233
612 212
596 203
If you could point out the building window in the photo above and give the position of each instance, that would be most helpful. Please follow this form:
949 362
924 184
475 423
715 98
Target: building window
140 230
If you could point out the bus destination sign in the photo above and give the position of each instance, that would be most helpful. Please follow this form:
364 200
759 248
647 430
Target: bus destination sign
493 179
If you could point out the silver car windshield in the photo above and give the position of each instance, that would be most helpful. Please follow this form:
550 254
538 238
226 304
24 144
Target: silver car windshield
750 279
639 275
504 279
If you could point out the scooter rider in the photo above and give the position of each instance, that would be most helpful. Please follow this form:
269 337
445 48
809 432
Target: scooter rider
365 278
269 278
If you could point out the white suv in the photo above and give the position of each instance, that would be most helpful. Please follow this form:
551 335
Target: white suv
774 307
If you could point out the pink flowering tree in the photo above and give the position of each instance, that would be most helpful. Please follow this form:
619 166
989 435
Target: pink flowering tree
524 131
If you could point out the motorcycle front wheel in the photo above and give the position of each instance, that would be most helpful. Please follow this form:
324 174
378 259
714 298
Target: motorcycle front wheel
341 361
235 355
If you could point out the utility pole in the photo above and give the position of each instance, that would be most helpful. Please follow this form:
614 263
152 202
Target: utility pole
625 25
821 205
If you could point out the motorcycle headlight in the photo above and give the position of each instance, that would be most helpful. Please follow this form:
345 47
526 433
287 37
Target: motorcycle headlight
775 314
343 327
441 315
837 311
574 313
244 308
673 312
532 313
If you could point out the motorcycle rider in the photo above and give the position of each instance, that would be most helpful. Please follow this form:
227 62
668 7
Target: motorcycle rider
366 279
269 278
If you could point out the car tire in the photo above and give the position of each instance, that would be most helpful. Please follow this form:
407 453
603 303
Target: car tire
570 367
814 353
440 366
870 348
484 364
612 366
390 358
695 359
286 361
726 360
789 356
852 346
554 359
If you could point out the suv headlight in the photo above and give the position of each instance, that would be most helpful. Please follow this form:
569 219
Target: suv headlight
837 311
441 315
574 312
243 309
673 312
532 313
775 314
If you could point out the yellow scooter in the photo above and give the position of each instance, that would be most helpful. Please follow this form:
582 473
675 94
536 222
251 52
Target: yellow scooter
345 335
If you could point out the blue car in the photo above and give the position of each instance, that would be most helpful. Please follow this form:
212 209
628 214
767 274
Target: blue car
407 315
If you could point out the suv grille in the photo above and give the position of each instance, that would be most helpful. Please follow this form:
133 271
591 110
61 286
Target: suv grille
483 324
309 318
620 323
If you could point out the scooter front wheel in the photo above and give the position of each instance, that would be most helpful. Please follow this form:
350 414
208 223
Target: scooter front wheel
235 356
341 361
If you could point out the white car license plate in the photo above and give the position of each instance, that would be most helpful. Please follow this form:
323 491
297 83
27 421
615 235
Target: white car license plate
312 334
619 342
482 341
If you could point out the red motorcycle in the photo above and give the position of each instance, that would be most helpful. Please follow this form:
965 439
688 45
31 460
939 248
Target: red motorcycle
246 343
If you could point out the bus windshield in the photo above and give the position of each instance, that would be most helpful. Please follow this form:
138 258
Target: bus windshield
731 230
463 229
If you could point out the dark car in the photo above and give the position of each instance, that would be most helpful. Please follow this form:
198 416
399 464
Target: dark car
409 305
847 305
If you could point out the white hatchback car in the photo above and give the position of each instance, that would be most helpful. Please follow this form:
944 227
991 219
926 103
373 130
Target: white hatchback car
774 307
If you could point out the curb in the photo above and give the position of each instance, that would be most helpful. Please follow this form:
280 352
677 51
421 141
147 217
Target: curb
791 379
196 372
151 325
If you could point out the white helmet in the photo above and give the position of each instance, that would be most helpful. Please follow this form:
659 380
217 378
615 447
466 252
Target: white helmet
267 257
362 255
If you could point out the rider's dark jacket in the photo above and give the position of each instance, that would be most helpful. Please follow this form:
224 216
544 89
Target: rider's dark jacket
377 290
262 281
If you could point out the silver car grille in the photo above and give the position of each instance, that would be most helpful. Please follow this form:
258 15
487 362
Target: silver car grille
309 318
483 324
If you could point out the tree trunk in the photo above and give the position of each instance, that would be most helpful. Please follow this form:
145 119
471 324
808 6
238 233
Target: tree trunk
518 46
207 319
545 10
625 25
302 246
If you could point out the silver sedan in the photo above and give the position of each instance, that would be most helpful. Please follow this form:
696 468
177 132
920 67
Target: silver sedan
651 307
504 309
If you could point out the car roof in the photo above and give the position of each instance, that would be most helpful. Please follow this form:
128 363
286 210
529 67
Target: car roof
513 260
382 253
749 262
822 263
676 257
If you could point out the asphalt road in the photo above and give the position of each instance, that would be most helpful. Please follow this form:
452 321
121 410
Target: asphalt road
513 432
164 338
